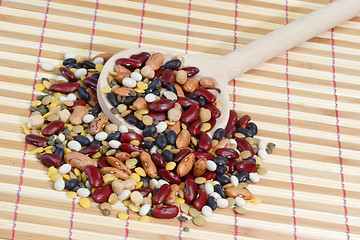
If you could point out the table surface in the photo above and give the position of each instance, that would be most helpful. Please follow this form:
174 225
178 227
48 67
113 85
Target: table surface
306 101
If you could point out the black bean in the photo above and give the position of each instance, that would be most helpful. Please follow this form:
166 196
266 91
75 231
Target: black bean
221 160
59 152
193 95
171 137
171 87
112 99
155 84
161 141
218 189
95 75
219 134
88 65
71 184
221 170
253 127
131 119
246 132
182 218
251 159
242 176
156 92
130 100
84 141
149 130
95 143
173 64
222 179
168 155
211 202
95 111
79 65
146 144
114 136
69 61
83 93
140 125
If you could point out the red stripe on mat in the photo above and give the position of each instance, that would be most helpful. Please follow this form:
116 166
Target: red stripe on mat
142 23
21 176
188 28
93 27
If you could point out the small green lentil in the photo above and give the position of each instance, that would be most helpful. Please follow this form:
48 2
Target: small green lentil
186 229
271 145
106 212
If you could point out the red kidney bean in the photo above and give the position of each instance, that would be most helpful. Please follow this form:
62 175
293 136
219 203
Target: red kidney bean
169 176
142 57
91 82
129 148
160 116
128 62
190 114
165 212
102 162
187 102
189 176
200 201
129 136
230 129
161 105
227 153
91 150
178 157
231 166
191 71
206 155
94 176
53 128
232 117
68 74
205 142
36 140
195 127
158 159
65 87
246 166
215 88
78 102
209 175
190 190
49 159
161 195
101 195
208 96
243 122
212 123
144 191
244 146
159 72
215 112
168 75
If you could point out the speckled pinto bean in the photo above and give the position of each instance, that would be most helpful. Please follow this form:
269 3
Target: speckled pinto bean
207 82
200 201
102 162
232 117
142 57
144 191
199 167
155 60
173 194
185 166
79 160
183 139
68 74
165 212
223 143
190 114
128 62
129 148
158 160
36 140
161 195
122 156
208 96
236 191
116 163
116 172
206 155
94 176
161 105
97 125
101 195
91 150
245 146
243 122
227 153
49 159
195 127
182 154
129 136
186 102
190 190
148 165
53 128
65 87
205 142
169 176
168 75
215 112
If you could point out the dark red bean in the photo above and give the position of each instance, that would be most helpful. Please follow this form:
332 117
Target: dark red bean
161 195
68 74
209 175
246 166
227 153
102 162
231 166
184 152
195 127
94 176
168 75
49 159
215 112
191 71
160 116
244 146
142 57
128 62
158 159
129 148
190 114
212 122
91 82
190 190
189 176
101 195
187 102
169 176
232 117
208 96
78 102
159 72
206 155
53 127
129 136
204 142
165 212
65 87
215 88
243 122
91 150
36 140
230 129
144 191
161 105
200 201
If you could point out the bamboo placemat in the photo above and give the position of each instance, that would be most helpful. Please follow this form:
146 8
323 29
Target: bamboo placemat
306 101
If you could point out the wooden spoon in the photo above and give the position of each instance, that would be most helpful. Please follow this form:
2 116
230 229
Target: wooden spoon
237 62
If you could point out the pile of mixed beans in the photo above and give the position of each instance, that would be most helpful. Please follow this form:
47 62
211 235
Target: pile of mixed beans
172 166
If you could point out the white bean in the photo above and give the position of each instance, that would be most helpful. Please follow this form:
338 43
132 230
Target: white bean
254 177
136 76
206 211
125 194
150 97
144 209
65 168
114 144
88 118
211 165
209 188
123 129
80 72
239 201
70 55
101 136
98 60
129 82
262 153
161 127
83 192
234 180
74 145
59 184
47 66
222 202
71 97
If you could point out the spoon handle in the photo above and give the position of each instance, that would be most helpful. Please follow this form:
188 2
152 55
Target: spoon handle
288 36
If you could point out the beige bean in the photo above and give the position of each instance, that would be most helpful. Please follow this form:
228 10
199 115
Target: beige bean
207 82
136 198
140 103
147 72
181 77
129 184
180 92
174 114
121 69
205 115
155 61
191 85
223 143
35 121
77 115
110 128
122 91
